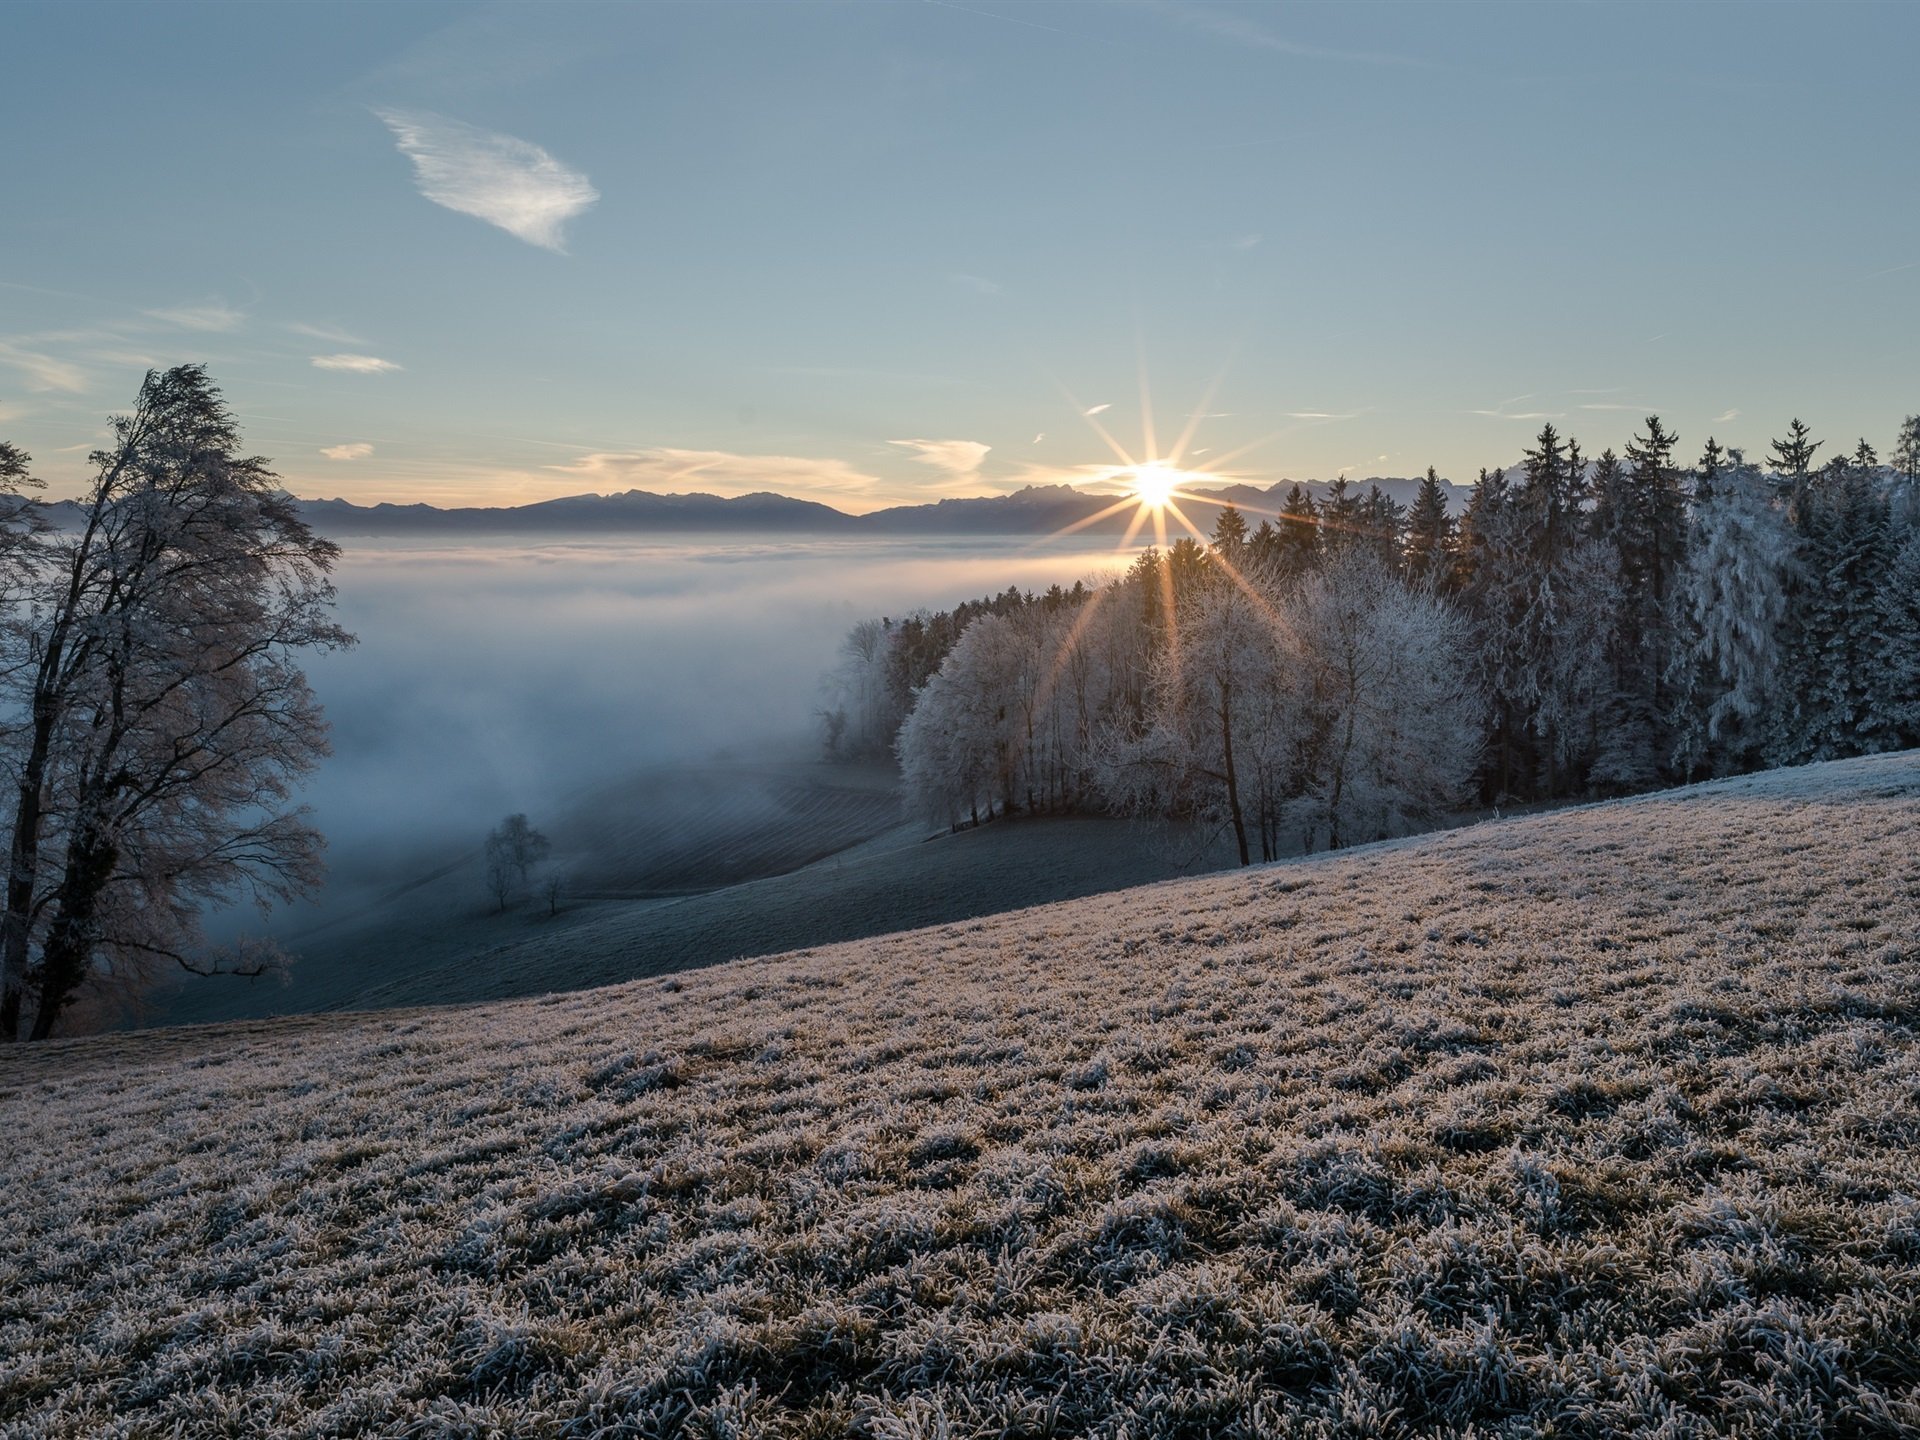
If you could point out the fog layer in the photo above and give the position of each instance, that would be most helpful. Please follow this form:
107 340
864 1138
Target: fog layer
495 677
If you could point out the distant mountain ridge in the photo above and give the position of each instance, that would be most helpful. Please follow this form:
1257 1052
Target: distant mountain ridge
1035 510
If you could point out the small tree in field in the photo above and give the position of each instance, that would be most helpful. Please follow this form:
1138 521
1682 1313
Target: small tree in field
514 851
157 718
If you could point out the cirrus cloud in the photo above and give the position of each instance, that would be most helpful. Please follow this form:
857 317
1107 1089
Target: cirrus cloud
507 182
354 450
956 457
213 317
40 371
355 364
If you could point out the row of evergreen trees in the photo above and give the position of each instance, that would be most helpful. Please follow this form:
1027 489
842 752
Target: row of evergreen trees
1641 623
1633 621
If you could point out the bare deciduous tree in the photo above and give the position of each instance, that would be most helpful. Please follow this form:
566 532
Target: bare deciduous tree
514 851
162 720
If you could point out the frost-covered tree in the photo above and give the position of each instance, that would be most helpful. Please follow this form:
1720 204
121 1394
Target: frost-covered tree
1396 713
1210 686
1903 638
962 748
1640 516
164 721
862 712
1731 602
1906 450
1383 522
513 852
1491 576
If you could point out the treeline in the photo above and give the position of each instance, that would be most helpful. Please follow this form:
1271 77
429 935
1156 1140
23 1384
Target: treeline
1353 669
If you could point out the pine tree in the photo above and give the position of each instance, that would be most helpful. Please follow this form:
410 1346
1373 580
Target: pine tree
1430 533
1859 713
1230 536
1566 584
1610 504
1796 720
1793 464
1492 580
1707 474
1299 545
1382 520
1906 450
1903 639
1263 548
1644 508
1342 521
1732 602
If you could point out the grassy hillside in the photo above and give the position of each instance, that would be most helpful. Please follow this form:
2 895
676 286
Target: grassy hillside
679 869
1599 1122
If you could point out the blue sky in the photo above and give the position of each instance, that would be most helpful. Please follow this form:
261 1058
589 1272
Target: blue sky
891 251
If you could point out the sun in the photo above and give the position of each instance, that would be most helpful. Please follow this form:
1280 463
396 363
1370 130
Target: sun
1153 484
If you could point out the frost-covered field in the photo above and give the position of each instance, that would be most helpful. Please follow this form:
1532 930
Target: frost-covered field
1595 1122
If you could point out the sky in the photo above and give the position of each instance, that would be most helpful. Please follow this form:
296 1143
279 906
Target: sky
888 252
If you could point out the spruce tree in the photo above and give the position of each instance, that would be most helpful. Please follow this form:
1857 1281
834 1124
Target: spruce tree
1492 580
1299 542
1263 547
1430 532
1230 535
1906 450
1342 521
1731 605
1382 519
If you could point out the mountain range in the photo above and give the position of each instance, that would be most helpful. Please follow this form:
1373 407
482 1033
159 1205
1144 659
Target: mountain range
1035 510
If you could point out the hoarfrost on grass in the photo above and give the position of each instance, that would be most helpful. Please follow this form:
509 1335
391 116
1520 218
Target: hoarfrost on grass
1590 1123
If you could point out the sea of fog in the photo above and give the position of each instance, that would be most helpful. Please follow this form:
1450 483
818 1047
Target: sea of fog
497 676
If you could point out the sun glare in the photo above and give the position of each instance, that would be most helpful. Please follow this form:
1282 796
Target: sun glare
1153 484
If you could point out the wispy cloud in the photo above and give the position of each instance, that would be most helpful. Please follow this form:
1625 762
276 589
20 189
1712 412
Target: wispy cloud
958 458
979 284
865 374
496 178
41 371
1615 405
1321 414
1092 410
357 450
355 364
213 317
1725 416
1518 414
331 334
720 472
1227 25
1243 242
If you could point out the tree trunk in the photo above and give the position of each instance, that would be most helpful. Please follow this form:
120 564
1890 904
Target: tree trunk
70 938
1340 770
23 864
22 868
1233 782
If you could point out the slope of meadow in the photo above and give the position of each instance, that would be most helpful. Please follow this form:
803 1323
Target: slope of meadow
1598 1122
